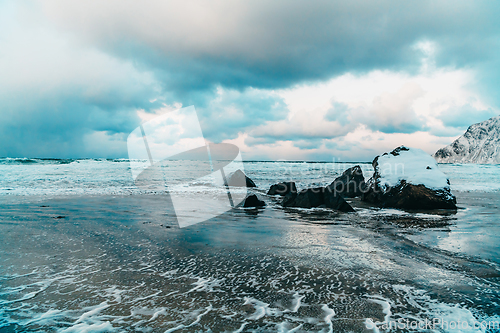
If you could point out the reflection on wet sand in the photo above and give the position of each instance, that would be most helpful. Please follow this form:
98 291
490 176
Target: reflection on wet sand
121 263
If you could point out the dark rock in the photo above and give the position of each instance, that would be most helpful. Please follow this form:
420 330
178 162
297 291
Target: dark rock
253 201
289 199
317 197
409 196
238 178
336 201
350 184
282 188
59 217
397 151
309 198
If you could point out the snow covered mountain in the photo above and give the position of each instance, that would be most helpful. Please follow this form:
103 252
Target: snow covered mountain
479 144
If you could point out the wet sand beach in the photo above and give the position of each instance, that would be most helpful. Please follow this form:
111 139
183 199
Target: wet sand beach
120 263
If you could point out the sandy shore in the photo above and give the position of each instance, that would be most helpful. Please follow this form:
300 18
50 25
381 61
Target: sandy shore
121 262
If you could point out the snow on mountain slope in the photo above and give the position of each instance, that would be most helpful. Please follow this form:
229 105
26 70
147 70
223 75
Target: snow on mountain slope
479 144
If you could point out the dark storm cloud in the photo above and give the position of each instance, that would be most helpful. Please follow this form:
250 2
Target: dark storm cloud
56 126
276 44
54 93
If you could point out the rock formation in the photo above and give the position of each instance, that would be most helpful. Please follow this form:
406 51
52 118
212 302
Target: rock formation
238 178
317 197
253 201
350 184
408 178
282 188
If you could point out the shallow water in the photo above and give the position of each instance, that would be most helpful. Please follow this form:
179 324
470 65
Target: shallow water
71 262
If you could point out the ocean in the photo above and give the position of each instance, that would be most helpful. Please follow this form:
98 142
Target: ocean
82 249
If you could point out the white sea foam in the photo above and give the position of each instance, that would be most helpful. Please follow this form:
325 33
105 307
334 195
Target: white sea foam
296 302
90 328
385 303
329 314
261 309
206 284
197 320
285 318
46 318
448 317
284 327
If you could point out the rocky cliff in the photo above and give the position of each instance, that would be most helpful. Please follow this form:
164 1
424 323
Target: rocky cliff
479 144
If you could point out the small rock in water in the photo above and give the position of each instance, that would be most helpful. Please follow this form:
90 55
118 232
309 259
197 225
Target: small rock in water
282 188
59 217
238 178
253 201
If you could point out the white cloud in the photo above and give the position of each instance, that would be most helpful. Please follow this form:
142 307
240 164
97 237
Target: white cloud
376 100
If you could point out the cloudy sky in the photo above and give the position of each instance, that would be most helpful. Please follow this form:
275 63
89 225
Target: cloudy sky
297 80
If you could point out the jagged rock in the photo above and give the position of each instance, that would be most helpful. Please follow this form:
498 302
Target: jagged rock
336 201
282 188
315 197
479 144
289 199
238 178
253 201
350 184
309 198
409 178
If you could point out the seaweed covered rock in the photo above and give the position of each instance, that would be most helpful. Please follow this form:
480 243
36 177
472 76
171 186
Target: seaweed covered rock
409 178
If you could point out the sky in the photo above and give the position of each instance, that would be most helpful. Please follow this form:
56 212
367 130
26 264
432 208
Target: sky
283 80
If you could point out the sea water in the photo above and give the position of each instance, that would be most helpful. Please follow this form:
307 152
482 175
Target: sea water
83 249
